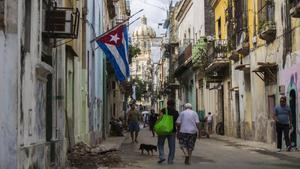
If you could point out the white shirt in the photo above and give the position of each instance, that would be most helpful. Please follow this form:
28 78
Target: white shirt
209 118
188 120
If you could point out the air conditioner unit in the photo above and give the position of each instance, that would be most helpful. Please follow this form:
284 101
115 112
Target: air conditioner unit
61 22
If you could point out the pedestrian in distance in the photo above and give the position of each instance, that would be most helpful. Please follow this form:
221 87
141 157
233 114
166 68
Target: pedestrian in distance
133 123
281 116
209 120
171 137
188 123
152 120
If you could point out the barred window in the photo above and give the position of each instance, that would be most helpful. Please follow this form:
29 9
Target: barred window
2 13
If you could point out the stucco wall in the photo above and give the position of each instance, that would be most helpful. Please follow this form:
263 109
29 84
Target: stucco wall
9 107
193 19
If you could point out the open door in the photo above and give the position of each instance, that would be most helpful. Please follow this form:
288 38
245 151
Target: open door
238 114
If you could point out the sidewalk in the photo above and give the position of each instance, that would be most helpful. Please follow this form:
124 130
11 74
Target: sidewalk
114 142
256 146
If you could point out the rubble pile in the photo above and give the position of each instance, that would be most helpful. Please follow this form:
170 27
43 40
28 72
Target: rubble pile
84 156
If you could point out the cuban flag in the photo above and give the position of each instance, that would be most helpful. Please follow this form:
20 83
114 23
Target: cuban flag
114 44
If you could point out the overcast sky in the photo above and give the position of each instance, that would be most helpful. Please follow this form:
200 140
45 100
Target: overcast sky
156 12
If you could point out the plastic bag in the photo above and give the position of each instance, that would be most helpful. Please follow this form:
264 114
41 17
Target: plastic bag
164 125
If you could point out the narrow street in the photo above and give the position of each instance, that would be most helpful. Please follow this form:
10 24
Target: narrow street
213 153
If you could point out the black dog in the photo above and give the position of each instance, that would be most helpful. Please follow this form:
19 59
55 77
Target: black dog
148 147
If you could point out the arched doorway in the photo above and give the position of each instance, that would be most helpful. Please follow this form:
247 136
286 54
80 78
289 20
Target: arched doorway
293 117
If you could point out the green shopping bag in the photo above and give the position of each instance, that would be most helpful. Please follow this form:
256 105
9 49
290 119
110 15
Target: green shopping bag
164 125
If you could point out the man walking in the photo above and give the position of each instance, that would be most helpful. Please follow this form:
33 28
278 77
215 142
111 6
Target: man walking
171 137
209 122
282 117
188 122
152 120
133 123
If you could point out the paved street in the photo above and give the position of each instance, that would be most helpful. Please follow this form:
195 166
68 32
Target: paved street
213 153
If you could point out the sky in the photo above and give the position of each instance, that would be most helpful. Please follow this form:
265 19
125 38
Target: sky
156 12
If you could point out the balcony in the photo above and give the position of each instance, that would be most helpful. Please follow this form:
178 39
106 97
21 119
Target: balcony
185 55
61 22
295 8
184 59
267 25
243 46
233 55
121 19
218 59
199 54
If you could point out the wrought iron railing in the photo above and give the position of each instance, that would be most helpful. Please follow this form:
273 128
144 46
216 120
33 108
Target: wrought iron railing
185 54
217 50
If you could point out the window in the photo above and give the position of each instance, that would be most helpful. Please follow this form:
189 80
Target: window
2 14
219 28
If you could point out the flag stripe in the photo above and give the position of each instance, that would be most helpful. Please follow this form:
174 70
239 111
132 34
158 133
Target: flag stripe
113 62
118 53
125 42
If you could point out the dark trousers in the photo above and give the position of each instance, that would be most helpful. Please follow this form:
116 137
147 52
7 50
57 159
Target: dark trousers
285 129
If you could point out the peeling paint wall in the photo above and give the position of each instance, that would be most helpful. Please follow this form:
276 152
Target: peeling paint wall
9 91
23 88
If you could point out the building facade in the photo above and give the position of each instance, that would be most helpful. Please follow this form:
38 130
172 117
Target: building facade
53 79
141 67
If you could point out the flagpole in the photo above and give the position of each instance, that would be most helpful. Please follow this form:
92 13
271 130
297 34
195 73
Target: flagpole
134 21
116 26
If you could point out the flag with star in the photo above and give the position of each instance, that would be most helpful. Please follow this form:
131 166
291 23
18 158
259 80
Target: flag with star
114 44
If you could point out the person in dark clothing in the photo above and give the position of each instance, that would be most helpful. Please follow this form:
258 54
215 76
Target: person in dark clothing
152 120
282 117
171 137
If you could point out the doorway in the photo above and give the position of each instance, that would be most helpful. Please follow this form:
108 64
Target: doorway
238 114
293 117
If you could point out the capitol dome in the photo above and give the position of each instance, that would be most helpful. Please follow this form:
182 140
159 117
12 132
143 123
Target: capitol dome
144 30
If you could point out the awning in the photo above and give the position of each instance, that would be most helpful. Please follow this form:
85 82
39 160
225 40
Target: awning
243 67
266 71
218 64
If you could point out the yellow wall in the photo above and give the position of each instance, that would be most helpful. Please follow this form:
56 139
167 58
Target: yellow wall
220 9
251 25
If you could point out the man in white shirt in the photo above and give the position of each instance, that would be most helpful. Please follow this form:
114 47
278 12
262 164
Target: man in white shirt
187 123
209 122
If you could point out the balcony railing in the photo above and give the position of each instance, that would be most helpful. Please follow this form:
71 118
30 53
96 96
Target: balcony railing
217 58
267 25
242 43
295 8
121 19
221 46
185 54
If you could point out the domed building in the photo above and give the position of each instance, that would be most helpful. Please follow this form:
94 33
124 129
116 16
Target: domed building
141 66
